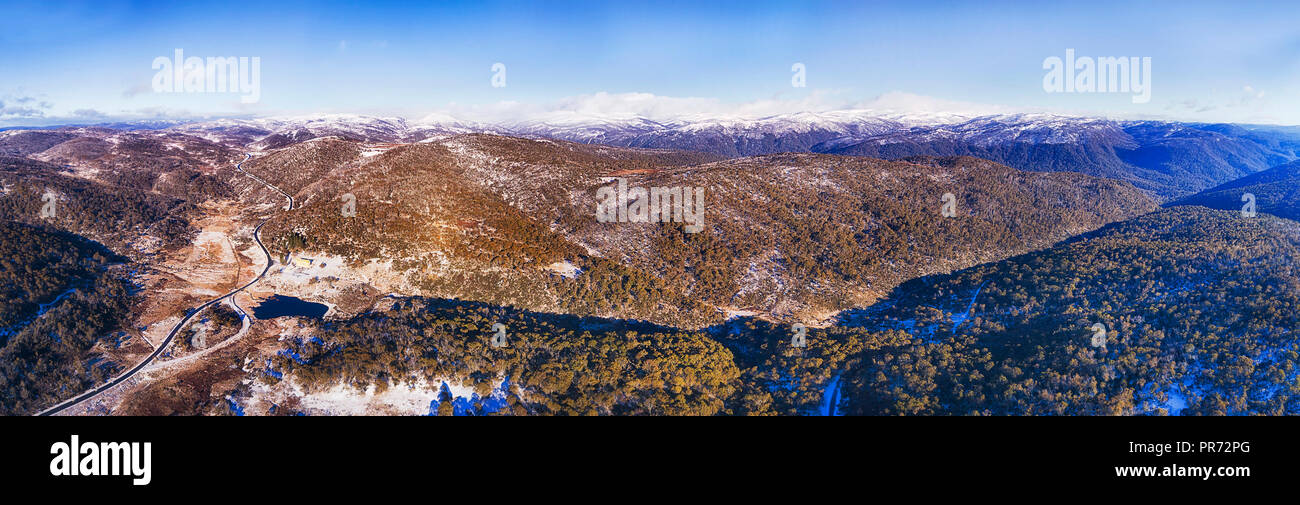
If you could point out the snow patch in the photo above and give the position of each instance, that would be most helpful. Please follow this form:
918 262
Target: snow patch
565 269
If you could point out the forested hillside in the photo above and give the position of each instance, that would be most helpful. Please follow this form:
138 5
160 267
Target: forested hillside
1198 306
556 364
110 214
484 217
1276 191
416 206
58 298
933 284
1169 159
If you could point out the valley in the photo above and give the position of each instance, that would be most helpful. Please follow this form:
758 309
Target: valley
403 244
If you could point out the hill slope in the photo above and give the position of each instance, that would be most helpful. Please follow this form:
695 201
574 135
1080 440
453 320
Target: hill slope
1170 159
61 295
488 218
1198 304
1276 191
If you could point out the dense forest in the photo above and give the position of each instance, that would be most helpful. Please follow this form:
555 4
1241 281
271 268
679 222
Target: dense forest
483 218
110 214
994 310
1276 191
418 207
61 295
557 364
779 377
1168 159
1198 309
832 232
560 364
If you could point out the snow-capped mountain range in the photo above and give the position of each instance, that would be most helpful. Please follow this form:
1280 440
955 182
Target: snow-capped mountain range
833 129
1166 158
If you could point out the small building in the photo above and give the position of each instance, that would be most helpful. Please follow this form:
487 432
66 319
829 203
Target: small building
302 262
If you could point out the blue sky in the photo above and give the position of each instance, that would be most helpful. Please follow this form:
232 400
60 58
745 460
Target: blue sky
92 60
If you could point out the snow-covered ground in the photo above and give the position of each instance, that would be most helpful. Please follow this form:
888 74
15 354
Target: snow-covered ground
565 269
413 399
831 399
958 319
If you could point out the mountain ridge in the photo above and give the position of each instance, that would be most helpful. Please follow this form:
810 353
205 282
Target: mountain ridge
1166 158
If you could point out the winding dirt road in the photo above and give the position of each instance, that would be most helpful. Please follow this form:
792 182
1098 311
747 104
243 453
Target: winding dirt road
188 316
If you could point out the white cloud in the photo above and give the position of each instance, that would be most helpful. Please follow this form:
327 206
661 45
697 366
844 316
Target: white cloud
1250 94
22 106
89 114
908 103
137 89
668 108
156 112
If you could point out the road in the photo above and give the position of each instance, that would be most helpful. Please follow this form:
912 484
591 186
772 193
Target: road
188 316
